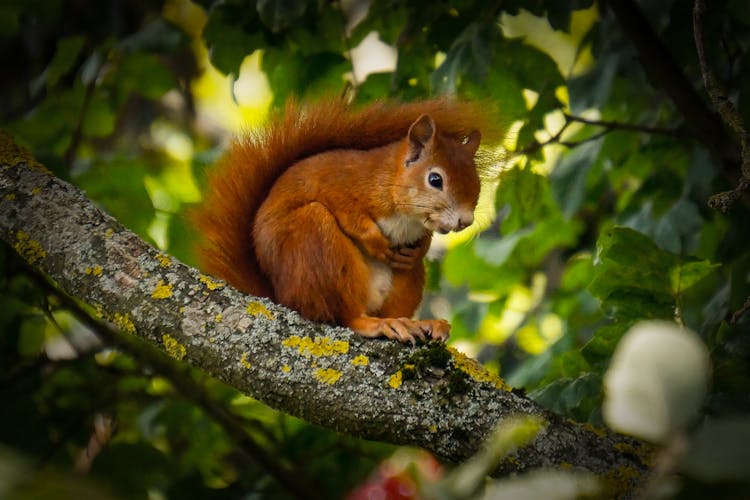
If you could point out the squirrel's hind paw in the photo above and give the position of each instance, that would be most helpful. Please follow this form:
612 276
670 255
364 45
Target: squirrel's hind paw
401 329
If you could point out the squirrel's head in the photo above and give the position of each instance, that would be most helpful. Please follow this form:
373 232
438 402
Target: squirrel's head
438 178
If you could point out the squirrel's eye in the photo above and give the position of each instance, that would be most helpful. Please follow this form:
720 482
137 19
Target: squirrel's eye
435 180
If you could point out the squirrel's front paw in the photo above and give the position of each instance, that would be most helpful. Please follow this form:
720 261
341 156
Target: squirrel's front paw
404 258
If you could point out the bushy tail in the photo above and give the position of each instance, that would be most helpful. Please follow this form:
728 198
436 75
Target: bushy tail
241 180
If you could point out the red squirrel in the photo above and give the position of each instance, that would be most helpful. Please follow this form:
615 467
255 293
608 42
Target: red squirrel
329 209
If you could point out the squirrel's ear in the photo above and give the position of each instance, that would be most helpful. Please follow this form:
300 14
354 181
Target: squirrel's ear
421 134
471 143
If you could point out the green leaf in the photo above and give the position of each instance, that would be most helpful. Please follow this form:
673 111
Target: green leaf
375 86
232 32
280 14
387 18
592 89
158 36
31 338
100 118
129 77
68 50
316 74
577 398
526 197
497 251
568 179
687 274
630 262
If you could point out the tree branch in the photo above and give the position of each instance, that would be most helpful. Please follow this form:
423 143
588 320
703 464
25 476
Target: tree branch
729 114
326 375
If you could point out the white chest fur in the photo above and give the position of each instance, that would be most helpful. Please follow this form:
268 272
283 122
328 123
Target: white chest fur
401 230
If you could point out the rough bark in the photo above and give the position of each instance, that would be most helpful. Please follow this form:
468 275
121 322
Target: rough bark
426 396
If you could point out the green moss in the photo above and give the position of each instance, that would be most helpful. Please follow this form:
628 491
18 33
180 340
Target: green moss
433 361
458 382
433 355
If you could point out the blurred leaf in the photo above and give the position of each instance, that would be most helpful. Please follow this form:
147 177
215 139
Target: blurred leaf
100 118
687 274
577 398
510 435
280 14
115 465
568 179
232 32
129 77
387 18
66 55
158 36
376 86
31 338
315 75
548 484
629 262
497 251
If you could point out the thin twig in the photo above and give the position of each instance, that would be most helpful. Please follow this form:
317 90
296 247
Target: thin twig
728 112
631 127
609 126
740 312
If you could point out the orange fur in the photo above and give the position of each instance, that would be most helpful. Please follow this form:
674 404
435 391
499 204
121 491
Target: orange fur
328 209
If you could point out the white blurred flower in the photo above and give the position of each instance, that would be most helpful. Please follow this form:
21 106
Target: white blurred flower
657 380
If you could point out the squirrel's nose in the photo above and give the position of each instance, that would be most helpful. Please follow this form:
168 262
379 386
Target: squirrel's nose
465 221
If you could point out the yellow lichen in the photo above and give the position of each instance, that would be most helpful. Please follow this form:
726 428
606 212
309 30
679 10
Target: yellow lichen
255 308
432 428
30 250
173 347
596 430
396 380
123 322
182 309
164 260
210 283
317 347
109 232
162 290
643 451
10 196
95 271
361 360
36 190
623 477
218 318
475 370
327 376
244 362
286 368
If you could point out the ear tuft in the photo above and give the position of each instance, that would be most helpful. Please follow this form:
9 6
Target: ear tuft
421 135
